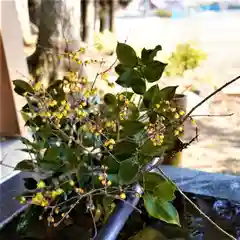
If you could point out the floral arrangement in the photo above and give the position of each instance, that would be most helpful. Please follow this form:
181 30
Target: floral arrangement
91 149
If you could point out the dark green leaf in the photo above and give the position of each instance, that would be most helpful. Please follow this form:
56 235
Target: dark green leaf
113 178
167 93
120 69
152 117
138 86
132 111
161 209
128 171
158 186
151 96
110 99
30 183
22 87
52 154
148 55
125 147
126 54
111 163
153 71
148 149
25 165
127 95
149 233
126 78
55 85
131 127
27 218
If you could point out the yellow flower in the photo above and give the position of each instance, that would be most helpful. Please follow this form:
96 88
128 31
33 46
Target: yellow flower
157 106
180 129
109 183
71 183
123 196
50 219
44 203
181 112
22 200
41 185
176 132
59 191
63 102
100 178
176 115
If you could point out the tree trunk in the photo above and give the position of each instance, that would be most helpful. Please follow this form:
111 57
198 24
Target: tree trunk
88 20
34 7
59 32
112 17
103 15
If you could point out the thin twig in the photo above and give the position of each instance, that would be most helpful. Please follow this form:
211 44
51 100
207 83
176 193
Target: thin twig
94 225
196 207
213 115
209 96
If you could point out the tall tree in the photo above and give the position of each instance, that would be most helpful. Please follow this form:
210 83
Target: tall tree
59 31
88 13
113 4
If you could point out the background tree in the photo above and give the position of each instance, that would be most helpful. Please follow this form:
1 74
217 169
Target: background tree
59 32
88 12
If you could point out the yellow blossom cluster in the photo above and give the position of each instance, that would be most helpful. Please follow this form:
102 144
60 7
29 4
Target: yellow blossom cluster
155 133
109 143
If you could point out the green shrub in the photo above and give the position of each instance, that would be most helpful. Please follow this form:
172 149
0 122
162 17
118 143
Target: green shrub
185 57
163 13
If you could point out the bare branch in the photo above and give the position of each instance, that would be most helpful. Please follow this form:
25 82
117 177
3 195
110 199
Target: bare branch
209 96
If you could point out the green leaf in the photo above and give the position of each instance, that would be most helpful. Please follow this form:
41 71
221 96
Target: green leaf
153 71
148 55
25 116
149 233
125 147
151 96
128 95
132 111
113 178
161 209
158 186
167 93
110 99
25 165
111 163
126 54
55 85
22 87
128 171
148 149
126 78
52 154
138 85
131 127
120 69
